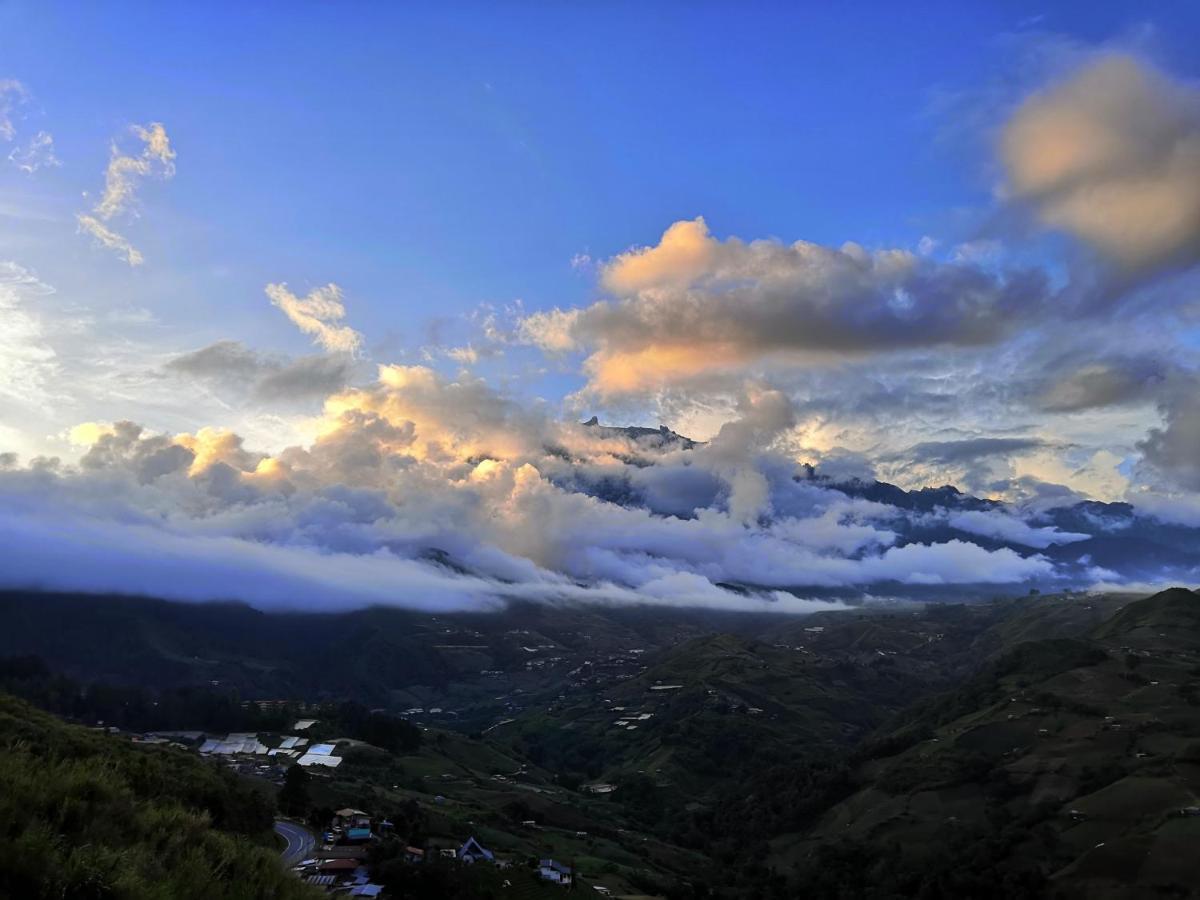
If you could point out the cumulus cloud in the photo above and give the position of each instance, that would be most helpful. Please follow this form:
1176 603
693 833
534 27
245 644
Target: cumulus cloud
1112 155
419 490
318 314
694 304
121 178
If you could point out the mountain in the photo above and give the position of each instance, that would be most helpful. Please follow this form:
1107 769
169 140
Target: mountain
650 438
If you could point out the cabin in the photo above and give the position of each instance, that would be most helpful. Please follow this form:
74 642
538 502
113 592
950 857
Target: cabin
473 851
414 855
551 870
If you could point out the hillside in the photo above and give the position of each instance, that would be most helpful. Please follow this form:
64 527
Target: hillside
1066 766
85 814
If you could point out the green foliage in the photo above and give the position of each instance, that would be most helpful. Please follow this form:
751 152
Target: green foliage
380 729
86 815
293 798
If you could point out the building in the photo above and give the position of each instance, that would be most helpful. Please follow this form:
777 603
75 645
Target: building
473 851
550 870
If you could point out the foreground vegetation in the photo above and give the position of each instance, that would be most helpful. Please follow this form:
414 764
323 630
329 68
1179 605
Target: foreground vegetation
87 815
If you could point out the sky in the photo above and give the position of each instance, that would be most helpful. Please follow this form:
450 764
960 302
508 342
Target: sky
309 300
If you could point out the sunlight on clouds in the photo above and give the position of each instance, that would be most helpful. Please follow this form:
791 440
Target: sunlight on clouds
1113 155
120 184
685 251
124 172
85 434
316 314
694 305
111 239
1098 476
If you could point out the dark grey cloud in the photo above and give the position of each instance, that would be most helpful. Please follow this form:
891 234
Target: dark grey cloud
1174 449
1077 383
265 378
970 450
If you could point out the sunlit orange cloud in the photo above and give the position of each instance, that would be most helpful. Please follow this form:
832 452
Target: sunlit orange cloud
1113 156
622 371
685 252
217 445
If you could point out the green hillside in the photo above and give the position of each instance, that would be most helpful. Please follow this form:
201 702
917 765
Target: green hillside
1066 766
86 815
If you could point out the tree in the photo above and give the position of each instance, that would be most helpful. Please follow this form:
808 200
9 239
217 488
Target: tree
293 798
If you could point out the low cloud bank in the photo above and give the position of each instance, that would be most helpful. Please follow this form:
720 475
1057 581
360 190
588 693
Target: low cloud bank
435 494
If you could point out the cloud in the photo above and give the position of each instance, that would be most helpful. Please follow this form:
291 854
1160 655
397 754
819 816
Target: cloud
970 450
110 239
235 368
420 491
1174 449
1011 529
121 178
1112 155
28 362
12 95
1094 384
124 172
37 153
693 305
317 314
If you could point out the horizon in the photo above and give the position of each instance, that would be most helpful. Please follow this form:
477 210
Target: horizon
309 310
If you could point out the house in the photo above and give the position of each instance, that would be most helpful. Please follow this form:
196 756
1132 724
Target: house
473 851
550 870
414 855
351 818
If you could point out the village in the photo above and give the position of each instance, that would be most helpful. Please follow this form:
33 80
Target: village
335 854
338 862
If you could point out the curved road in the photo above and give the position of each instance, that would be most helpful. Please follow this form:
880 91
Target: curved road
300 841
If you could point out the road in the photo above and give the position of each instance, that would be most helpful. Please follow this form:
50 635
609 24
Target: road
300 841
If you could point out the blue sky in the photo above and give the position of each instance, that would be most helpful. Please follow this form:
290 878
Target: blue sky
259 262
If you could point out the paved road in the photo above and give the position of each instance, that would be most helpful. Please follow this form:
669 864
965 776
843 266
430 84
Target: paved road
300 841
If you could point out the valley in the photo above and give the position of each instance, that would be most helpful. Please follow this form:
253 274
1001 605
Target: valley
1053 739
